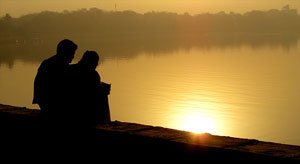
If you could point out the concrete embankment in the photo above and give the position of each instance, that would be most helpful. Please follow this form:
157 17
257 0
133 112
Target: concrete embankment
24 130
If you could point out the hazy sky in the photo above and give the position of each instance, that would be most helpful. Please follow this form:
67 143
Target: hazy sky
21 7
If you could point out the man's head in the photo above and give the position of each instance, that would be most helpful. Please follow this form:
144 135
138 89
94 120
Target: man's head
66 48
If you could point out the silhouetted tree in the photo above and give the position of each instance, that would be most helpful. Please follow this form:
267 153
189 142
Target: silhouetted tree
118 24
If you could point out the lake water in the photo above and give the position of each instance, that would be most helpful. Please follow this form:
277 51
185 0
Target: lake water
240 90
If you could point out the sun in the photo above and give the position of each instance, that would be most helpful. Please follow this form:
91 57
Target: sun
198 124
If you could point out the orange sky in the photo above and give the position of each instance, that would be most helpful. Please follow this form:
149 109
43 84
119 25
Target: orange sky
21 7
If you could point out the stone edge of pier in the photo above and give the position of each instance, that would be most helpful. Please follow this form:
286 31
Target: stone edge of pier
137 138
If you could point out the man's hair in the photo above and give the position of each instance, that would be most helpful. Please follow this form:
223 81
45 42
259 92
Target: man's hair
65 46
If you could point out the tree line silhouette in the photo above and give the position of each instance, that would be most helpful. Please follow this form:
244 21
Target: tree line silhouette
125 34
131 24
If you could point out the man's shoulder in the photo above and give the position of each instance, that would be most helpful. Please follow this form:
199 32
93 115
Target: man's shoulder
50 62
52 59
73 68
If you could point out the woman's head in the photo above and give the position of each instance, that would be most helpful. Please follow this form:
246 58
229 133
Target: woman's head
90 59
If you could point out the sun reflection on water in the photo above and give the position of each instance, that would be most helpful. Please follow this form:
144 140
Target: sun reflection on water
198 124
198 117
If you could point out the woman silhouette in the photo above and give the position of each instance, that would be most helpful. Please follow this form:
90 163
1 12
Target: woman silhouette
89 96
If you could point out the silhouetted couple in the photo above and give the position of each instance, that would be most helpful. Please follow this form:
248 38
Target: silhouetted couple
73 94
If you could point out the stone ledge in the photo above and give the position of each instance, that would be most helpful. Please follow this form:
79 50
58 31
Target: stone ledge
207 140
128 138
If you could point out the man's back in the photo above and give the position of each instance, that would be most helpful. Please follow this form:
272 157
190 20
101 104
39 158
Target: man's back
49 82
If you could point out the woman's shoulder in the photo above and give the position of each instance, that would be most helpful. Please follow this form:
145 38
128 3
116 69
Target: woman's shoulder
93 74
96 74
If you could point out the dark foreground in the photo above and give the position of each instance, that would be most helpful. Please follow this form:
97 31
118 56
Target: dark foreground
25 135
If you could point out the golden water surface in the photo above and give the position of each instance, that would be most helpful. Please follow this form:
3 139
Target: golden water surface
238 91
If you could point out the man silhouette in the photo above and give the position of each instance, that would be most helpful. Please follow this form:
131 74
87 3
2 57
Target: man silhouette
50 80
